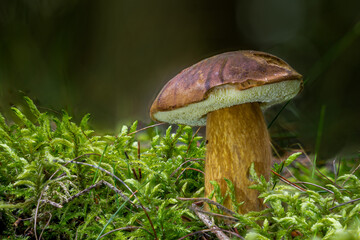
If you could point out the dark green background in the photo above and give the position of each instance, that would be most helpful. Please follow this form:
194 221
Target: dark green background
110 58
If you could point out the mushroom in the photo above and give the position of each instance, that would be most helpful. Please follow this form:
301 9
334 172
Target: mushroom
227 93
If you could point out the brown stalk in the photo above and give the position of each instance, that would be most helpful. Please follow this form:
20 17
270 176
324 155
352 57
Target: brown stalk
237 137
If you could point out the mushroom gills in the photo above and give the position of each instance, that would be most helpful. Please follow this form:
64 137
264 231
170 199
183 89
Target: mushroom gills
226 96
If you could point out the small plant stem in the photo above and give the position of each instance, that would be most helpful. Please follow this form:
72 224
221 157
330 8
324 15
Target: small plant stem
278 114
107 172
154 125
112 217
173 173
342 204
52 203
47 224
195 169
319 135
288 182
101 158
313 184
197 131
101 182
352 173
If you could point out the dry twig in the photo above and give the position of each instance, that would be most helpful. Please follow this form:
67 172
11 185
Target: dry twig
209 201
342 204
207 221
288 182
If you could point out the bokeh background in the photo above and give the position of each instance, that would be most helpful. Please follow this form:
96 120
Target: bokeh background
110 58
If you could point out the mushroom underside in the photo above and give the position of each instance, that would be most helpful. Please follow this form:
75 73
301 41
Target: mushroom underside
226 96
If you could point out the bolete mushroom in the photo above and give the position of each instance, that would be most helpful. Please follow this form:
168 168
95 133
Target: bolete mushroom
226 93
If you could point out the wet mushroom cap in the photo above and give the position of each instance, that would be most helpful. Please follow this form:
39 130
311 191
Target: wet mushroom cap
225 80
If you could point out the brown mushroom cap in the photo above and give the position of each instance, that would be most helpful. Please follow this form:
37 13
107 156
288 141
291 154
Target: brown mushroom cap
225 80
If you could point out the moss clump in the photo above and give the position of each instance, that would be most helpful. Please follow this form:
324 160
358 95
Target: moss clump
60 180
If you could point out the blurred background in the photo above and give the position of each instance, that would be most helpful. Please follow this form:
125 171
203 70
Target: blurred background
110 58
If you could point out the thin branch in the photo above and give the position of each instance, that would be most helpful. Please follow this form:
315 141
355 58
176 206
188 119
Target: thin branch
197 131
102 182
194 233
233 219
195 169
317 170
39 200
209 230
209 201
190 160
342 204
293 176
352 173
288 182
47 224
66 163
154 125
183 171
207 221
313 184
52 203
103 170
148 217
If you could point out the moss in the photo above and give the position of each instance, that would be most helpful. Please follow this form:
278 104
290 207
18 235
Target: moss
70 182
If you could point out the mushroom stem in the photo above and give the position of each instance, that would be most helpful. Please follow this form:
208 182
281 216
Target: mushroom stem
237 136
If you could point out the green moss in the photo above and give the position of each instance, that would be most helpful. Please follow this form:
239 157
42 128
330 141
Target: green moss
71 183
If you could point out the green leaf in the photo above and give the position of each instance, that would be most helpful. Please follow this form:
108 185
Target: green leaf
291 158
32 107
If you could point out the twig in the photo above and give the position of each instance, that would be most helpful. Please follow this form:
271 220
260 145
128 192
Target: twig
47 224
183 172
195 169
154 125
313 184
101 169
292 175
209 201
148 217
190 160
217 215
352 173
342 204
52 203
66 163
197 131
189 168
210 230
319 172
288 182
207 221
42 192
194 233
132 193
